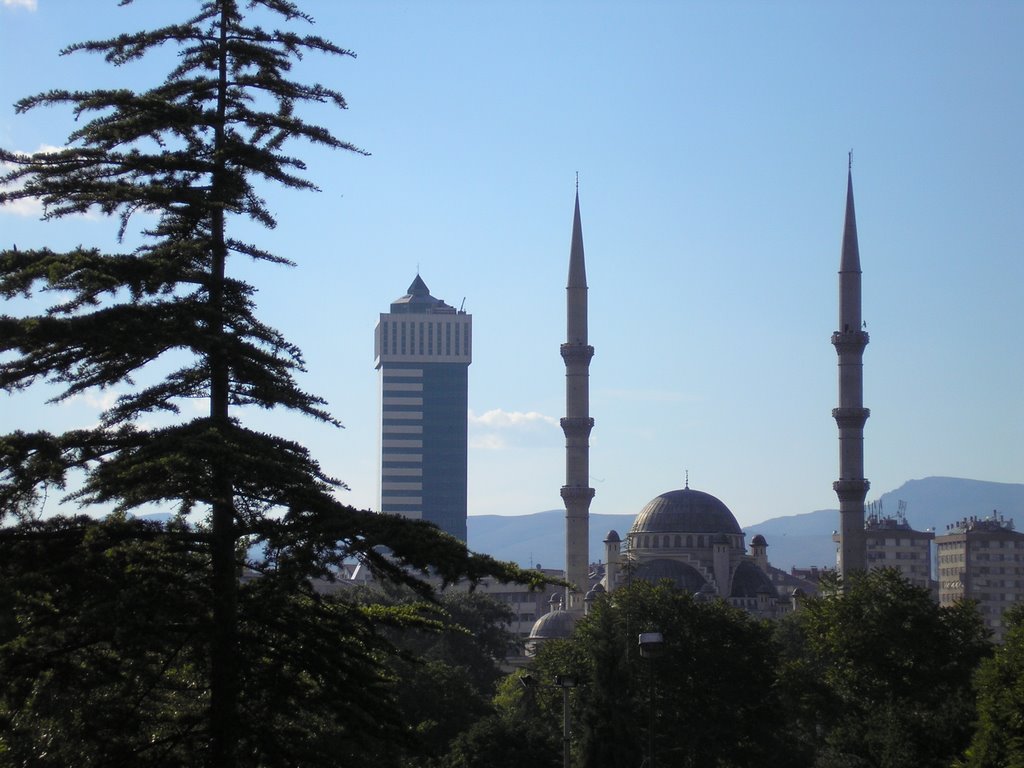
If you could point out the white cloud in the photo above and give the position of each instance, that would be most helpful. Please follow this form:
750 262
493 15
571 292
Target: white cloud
499 419
100 400
488 442
28 5
498 430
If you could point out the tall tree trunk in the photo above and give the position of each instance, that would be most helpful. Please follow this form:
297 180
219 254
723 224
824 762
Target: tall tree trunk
224 672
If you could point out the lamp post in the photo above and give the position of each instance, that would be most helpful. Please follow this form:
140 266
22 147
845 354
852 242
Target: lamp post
651 644
566 683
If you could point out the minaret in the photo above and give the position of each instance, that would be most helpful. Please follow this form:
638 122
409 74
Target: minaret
850 416
577 493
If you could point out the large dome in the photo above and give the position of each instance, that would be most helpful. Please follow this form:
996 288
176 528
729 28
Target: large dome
685 511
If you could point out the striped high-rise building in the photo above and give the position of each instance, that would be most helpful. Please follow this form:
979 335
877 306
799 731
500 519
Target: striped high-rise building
423 348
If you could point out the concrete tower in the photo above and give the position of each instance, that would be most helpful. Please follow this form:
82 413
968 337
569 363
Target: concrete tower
577 493
423 351
850 416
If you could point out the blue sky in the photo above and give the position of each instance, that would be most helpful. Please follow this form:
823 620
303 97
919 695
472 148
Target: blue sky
711 142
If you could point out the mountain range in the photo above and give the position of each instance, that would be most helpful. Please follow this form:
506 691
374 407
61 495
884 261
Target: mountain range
793 541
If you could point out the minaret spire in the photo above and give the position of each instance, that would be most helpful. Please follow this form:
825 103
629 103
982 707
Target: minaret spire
850 416
576 352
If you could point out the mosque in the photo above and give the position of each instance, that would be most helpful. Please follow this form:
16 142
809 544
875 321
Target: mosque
689 537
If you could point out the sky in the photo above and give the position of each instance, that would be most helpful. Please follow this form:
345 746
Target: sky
711 141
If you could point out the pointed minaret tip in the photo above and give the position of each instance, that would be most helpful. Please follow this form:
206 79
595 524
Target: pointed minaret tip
577 262
850 260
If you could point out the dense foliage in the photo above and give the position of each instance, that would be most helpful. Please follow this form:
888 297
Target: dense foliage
999 736
882 675
707 699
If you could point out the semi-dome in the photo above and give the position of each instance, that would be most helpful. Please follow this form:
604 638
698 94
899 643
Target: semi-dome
682 575
685 511
750 581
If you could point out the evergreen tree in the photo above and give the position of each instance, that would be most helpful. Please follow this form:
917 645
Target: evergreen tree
192 154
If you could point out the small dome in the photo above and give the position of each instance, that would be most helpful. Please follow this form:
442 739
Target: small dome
595 592
685 511
758 541
750 581
681 575
613 535
553 625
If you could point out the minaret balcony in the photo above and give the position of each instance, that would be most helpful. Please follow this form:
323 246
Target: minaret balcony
847 418
851 490
576 426
850 341
576 493
577 353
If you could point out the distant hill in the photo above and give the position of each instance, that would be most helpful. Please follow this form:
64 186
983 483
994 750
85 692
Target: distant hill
795 540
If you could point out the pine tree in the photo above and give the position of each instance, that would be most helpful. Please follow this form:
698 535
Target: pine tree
189 157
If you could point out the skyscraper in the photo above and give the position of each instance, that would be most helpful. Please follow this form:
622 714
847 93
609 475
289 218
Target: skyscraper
423 348
850 416
577 493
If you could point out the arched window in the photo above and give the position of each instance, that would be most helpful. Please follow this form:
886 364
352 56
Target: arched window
665 541
679 541
655 541
689 541
700 541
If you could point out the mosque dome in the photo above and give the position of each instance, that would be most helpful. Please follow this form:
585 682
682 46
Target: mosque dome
682 575
750 581
553 625
556 624
685 511
758 541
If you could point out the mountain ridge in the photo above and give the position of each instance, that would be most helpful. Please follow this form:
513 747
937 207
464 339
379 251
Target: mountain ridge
801 540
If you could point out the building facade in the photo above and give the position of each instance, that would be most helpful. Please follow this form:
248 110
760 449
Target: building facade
982 559
892 543
423 349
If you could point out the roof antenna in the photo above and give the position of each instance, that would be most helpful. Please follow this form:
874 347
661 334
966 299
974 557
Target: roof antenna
687 479
577 182
849 160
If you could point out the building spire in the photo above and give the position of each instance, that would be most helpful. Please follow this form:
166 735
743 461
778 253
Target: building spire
851 415
576 353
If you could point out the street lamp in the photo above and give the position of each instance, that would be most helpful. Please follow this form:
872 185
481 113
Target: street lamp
651 645
566 683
